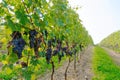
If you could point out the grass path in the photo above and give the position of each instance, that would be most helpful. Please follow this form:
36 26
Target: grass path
104 66
115 56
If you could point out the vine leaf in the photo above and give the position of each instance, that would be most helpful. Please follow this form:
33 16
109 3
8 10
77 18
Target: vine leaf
22 17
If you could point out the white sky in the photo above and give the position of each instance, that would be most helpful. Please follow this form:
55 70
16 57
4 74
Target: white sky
100 17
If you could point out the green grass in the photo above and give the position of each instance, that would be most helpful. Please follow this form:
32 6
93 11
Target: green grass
103 66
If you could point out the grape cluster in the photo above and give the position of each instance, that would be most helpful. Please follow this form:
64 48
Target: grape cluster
34 42
18 43
49 52
59 50
16 35
48 55
49 43
32 35
64 49
55 52
67 50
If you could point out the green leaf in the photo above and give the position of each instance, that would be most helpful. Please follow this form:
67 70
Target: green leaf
4 3
20 14
11 24
34 61
29 3
27 73
13 58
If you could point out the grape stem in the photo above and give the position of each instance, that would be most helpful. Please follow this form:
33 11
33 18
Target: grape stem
53 69
28 59
67 68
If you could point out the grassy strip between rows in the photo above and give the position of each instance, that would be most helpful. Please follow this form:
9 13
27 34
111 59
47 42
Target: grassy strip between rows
103 66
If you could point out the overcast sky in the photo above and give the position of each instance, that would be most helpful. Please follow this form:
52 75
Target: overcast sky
100 17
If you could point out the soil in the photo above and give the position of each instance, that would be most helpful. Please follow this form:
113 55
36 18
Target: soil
83 68
115 56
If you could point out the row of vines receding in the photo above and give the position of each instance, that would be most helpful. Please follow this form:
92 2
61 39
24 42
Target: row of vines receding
38 35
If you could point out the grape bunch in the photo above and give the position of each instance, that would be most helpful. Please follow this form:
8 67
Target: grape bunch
49 43
55 52
64 49
59 45
59 53
59 48
49 52
32 35
48 55
18 43
67 50
34 42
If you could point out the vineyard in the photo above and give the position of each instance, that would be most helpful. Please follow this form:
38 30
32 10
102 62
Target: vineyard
112 41
46 40
37 36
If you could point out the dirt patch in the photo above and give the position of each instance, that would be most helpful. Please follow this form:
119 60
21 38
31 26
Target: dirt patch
114 55
83 68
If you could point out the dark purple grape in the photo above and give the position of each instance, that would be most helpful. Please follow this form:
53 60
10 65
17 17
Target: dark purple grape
18 46
16 35
48 55
33 33
32 42
21 43
64 49
55 52
49 43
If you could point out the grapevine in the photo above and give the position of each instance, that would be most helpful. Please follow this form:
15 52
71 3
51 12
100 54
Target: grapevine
40 27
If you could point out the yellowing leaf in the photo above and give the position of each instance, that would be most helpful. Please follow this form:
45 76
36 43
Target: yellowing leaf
4 62
17 66
33 77
28 49
3 40
8 70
